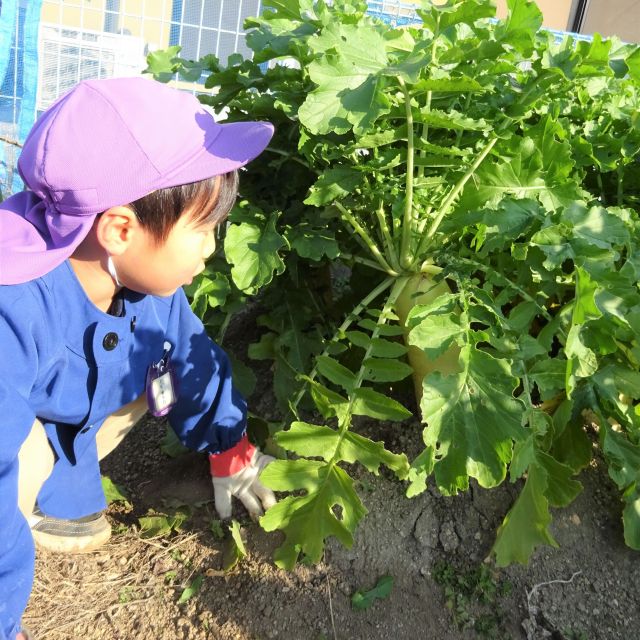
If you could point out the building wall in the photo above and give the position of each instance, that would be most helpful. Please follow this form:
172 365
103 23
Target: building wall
613 18
82 39
607 17
558 14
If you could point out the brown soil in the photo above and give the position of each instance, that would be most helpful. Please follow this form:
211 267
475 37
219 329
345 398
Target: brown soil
434 547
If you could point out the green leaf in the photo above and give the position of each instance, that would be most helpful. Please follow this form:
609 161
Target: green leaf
328 402
384 370
585 307
333 184
368 402
549 376
361 600
112 491
443 16
420 469
313 243
581 361
382 329
357 448
244 378
309 520
319 441
561 488
253 252
162 525
379 347
521 25
449 85
526 526
631 516
216 529
162 63
435 333
451 120
472 421
350 90
572 446
518 173
234 550
208 290
194 586
633 64
309 440
623 457
333 371
171 445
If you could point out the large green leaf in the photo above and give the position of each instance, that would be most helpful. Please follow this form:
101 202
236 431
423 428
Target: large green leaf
435 333
312 242
350 87
368 402
521 26
319 441
442 16
518 173
253 249
334 184
526 526
310 519
472 420
631 515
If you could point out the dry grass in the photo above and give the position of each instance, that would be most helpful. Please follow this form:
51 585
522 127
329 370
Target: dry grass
85 595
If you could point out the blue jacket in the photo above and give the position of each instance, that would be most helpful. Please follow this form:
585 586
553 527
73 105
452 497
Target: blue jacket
57 365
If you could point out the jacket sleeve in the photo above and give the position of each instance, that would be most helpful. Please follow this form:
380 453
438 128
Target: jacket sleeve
210 414
20 332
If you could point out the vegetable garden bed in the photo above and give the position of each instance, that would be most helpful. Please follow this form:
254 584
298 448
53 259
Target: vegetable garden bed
453 202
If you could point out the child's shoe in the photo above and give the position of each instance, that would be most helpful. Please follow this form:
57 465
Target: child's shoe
69 536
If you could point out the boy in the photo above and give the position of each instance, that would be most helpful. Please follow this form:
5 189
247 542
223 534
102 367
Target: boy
127 181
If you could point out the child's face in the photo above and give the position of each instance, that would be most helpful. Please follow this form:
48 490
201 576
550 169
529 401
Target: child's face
161 269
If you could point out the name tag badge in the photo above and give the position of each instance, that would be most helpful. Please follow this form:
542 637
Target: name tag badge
161 385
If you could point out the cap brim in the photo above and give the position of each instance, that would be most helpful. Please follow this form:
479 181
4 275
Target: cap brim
235 145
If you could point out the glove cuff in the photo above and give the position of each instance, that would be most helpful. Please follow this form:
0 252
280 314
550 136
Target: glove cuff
232 460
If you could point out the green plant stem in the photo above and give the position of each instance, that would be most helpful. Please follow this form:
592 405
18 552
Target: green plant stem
620 172
293 158
371 245
223 328
425 126
369 263
345 423
405 246
603 197
391 254
467 103
352 317
490 269
453 194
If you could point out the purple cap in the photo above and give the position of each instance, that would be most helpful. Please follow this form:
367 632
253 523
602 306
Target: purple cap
107 143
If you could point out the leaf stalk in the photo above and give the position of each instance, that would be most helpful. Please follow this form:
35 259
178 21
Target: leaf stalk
453 194
366 238
405 246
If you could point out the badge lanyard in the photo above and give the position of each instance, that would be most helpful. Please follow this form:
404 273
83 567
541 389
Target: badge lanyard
161 385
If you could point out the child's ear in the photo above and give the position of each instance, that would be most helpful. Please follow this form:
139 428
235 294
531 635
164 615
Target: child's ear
116 228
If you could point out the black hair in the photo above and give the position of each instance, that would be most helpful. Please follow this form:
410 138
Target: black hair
208 202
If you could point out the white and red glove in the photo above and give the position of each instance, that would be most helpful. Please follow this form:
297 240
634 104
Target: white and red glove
235 473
